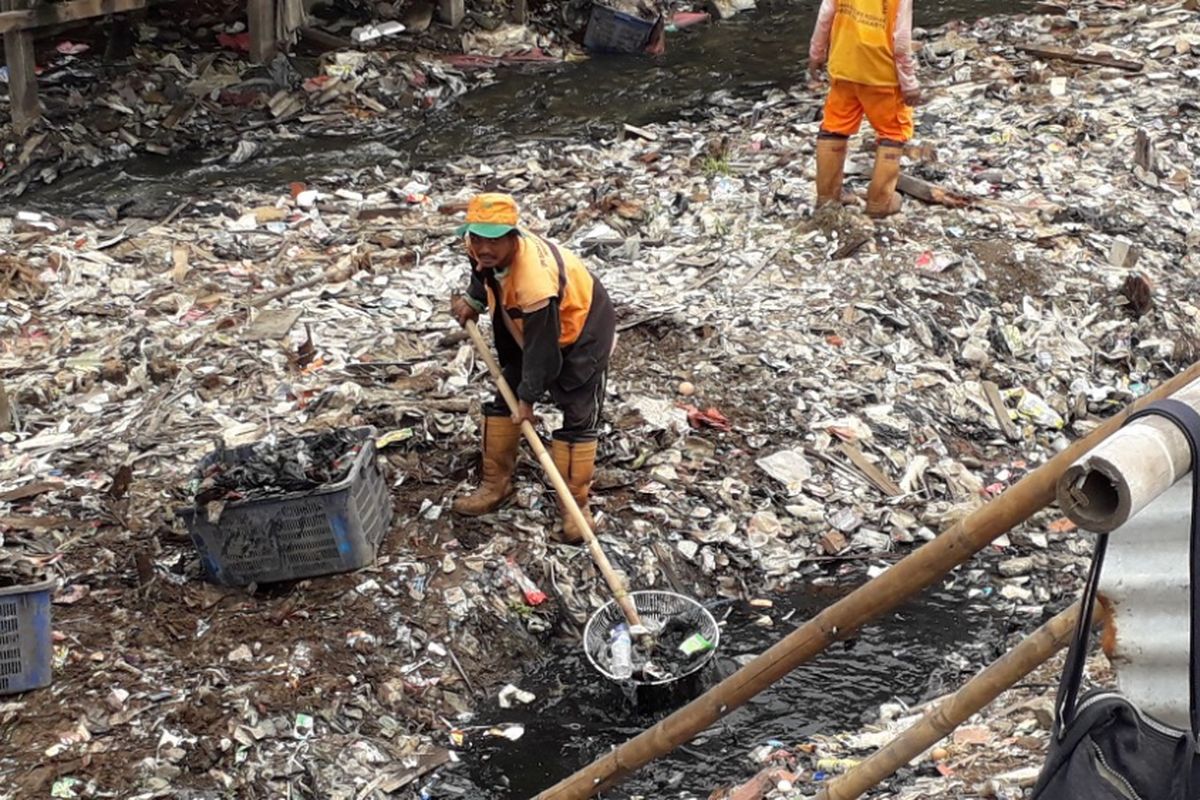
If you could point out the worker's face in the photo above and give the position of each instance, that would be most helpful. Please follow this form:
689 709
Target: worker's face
494 253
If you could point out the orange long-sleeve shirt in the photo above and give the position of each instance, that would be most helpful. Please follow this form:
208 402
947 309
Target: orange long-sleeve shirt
866 41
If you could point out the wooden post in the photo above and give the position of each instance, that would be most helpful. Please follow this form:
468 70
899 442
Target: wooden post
451 12
922 568
262 30
22 79
520 11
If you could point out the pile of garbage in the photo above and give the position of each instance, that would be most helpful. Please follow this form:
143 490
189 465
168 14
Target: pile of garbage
17 570
656 655
791 399
182 82
272 468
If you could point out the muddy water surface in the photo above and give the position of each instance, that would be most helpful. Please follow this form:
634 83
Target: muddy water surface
927 648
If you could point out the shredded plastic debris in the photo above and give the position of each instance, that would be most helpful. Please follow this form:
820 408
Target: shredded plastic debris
275 468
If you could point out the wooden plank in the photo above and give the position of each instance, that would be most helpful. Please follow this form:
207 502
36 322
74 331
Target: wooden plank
853 242
20 522
22 75
520 11
1067 54
261 19
17 18
992 392
451 12
30 490
873 473
929 193
382 212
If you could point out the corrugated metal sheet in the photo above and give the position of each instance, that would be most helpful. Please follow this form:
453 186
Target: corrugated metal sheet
1145 581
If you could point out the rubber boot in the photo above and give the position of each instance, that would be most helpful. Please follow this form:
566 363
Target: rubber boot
576 462
882 199
831 169
500 439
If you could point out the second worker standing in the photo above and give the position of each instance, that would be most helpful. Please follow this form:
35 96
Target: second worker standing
867 46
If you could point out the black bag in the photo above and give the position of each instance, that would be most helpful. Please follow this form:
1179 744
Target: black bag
1103 747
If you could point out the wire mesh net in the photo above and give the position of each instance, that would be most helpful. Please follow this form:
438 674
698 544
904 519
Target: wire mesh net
656 609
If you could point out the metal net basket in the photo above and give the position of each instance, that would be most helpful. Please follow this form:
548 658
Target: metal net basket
654 608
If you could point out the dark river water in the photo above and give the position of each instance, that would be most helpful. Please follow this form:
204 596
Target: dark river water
925 649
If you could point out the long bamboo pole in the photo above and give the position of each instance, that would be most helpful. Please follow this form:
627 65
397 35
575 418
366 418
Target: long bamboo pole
919 570
956 709
615 585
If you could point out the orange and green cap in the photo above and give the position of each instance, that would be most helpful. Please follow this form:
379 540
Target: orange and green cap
491 216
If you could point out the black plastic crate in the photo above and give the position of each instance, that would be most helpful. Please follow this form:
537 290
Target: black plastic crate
612 31
334 528
26 637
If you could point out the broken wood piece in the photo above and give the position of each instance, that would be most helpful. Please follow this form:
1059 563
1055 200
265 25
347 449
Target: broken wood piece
178 112
767 260
873 473
833 542
929 193
1074 56
1051 9
641 133
383 212
335 274
850 246
30 490
18 522
992 392
708 277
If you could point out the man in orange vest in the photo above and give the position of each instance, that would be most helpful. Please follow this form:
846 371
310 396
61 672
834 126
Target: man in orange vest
867 45
555 328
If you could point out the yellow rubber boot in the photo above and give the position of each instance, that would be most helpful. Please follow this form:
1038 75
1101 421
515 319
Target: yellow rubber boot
576 462
882 199
831 169
500 439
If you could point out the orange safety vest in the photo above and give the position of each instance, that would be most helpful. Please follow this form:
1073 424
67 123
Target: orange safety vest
541 270
863 42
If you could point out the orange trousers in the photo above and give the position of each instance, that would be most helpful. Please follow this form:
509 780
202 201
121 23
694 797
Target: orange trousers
883 106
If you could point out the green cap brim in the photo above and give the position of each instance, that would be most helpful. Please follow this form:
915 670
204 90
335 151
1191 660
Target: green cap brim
485 229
